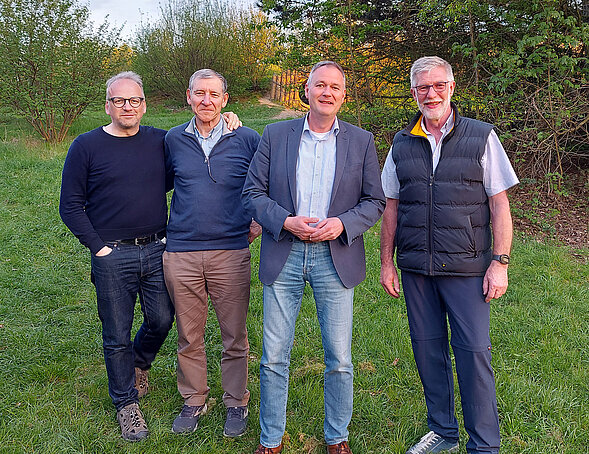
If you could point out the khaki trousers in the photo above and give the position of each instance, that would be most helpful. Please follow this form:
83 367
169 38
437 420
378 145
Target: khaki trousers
224 275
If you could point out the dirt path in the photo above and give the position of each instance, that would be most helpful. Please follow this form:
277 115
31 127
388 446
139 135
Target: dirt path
285 113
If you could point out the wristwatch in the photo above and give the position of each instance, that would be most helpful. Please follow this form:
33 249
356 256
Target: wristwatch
502 258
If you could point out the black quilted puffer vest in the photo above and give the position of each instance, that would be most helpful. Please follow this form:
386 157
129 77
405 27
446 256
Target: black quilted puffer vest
443 219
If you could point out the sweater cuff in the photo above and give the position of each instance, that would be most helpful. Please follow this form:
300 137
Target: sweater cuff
96 245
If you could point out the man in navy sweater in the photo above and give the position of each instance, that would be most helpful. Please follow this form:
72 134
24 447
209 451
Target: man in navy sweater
207 252
113 198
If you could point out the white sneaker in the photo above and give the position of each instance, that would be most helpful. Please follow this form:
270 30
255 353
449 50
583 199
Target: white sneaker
433 443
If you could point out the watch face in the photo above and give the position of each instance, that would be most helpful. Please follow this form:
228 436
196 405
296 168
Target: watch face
503 259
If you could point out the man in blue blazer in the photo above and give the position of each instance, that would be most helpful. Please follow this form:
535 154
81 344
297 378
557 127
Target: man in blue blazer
314 186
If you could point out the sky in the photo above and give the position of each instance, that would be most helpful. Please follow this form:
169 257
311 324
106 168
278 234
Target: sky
128 12
131 12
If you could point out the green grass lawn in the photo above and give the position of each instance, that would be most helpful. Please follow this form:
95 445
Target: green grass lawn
53 386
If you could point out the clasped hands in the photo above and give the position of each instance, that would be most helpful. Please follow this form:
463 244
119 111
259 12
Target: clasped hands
325 230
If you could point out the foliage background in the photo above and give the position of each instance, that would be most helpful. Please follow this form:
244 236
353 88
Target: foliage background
196 34
521 65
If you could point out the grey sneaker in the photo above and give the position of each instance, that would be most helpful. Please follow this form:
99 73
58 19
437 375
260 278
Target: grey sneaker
141 383
433 443
187 420
133 427
236 421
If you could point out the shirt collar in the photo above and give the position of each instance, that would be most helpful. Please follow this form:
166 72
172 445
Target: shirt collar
444 129
334 128
420 130
216 131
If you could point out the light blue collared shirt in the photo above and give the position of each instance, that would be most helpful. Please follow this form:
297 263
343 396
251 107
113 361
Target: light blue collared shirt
207 143
316 171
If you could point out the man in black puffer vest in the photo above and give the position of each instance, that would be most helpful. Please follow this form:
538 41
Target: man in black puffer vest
448 217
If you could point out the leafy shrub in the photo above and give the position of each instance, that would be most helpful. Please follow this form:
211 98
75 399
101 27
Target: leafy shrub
194 34
52 64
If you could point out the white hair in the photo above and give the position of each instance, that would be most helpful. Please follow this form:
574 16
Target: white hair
426 64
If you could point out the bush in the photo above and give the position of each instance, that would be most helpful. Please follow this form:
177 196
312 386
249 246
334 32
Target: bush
52 64
194 34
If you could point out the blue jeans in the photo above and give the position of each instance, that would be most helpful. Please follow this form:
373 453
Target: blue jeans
307 262
119 277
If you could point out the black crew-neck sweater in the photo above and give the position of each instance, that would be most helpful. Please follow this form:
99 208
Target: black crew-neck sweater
114 188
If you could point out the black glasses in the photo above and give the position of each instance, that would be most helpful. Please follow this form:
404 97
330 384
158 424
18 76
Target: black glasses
119 102
439 87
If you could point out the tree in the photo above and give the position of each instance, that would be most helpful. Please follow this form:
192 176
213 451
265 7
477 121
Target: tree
366 38
520 64
52 64
196 34
530 77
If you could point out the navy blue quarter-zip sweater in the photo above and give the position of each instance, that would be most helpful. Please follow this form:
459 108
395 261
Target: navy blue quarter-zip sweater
206 211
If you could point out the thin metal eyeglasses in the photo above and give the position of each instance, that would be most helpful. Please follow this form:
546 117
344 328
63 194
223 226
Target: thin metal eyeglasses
119 102
439 87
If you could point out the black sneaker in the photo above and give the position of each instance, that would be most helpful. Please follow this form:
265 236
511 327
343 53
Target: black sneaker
433 443
187 420
236 421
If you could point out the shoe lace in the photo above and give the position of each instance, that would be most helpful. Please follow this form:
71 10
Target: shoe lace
132 419
136 420
427 441
234 413
141 379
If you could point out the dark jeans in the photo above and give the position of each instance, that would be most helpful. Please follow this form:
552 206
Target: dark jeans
119 277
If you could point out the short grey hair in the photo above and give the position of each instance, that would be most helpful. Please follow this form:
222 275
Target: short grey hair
207 74
323 63
130 75
426 64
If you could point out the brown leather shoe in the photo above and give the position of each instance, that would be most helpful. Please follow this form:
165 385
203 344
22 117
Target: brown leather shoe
340 448
263 450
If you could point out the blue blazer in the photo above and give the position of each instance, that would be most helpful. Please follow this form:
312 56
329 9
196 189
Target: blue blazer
357 199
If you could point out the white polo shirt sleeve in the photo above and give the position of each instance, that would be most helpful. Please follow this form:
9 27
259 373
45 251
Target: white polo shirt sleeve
498 174
388 178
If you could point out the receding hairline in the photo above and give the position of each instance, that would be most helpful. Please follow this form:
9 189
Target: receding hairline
207 73
125 75
326 63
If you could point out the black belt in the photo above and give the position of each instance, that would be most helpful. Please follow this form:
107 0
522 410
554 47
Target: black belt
140 241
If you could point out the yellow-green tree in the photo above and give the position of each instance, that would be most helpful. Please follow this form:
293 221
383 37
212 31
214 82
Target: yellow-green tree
51 62
196 34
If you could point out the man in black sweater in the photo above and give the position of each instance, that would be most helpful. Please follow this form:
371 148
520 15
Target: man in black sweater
113 198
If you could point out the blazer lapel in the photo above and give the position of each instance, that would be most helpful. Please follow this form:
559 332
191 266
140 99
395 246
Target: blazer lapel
293 142
342 145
